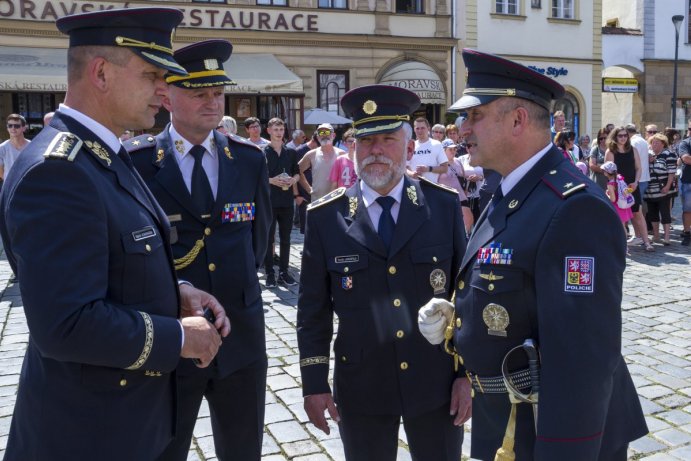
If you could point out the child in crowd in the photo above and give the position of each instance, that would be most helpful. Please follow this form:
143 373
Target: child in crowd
610 170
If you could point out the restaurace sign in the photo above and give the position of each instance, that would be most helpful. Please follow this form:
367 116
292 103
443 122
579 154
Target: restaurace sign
207 17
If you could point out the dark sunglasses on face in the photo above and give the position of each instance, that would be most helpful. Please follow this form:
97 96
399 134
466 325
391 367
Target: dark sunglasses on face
651 131
622 135
14 125
324 133
601 139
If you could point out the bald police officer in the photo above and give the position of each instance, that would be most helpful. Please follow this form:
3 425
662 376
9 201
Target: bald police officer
525 278
91 247
373 254
214 189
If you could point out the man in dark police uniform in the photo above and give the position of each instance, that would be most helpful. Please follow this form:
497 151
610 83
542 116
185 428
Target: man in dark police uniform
215 191
91 248
525 277
373 255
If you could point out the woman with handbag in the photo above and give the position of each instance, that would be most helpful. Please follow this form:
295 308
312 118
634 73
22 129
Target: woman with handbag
663 167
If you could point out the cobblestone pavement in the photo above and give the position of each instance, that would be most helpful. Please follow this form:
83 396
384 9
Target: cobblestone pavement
656 344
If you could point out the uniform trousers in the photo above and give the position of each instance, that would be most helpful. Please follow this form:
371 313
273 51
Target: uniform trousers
431 436
236 404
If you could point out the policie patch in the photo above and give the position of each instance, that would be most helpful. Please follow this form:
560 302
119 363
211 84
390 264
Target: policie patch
579 272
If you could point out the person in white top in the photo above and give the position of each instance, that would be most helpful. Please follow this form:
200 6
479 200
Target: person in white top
428 158
10 149
642 148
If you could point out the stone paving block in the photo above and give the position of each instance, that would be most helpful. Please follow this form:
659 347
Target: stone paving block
293 370
321 436
660 457
203 427
9 380
279 352
299 448
646 445
288 431
671 382
193 456
290 396
675 417
335 449
298 412
655 423
274 458
313 457
673 437
276 412
281 381
655 391
206 445
673 401
683 453
674 370
649 407
269 445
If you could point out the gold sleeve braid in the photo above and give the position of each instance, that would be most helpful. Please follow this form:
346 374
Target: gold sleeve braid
148 342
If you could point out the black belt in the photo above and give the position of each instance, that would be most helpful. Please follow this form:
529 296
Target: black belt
495 384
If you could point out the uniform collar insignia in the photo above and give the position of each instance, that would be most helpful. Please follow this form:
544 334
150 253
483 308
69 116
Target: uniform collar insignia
159 155
212 145
352 206
180 146
227 152
412 194
99 151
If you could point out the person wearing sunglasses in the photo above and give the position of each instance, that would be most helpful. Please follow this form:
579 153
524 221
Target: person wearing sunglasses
438 132
597 158
10 149
319 162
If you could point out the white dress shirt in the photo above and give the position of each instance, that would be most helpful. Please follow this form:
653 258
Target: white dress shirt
374 210
186 161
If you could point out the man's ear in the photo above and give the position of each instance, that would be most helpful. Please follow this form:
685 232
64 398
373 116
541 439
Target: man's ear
410 148
99 73
165 100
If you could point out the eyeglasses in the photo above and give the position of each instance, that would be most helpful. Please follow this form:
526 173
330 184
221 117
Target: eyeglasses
651 131
16 126
324 133
602 138
254 126
623 135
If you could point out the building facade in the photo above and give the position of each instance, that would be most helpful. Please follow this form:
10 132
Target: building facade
639 40
288 56
559 38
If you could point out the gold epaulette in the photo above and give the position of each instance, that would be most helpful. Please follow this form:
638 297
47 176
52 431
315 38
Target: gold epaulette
563 183
328 198
64 146
424 180
138 143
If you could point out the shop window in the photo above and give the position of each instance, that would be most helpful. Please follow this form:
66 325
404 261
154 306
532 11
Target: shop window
507 6
33 106
272 2
410 6
563 9
334 4
332 85
286 108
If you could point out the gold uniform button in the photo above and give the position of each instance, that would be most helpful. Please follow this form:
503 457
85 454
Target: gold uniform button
461 285
147 247
392 270
400 334
346 269
123 382
212 267
404 365
434 259
344 359
207 231
397 302
458 323
490 287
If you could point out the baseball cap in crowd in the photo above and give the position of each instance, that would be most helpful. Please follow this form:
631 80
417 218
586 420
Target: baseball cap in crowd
609 167
323 128
147 32
448 143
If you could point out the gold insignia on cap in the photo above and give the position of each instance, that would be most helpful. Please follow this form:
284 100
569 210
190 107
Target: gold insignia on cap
496 318
227 152
369 107
352 206
100 152
412 194
211 64
180 146
159 155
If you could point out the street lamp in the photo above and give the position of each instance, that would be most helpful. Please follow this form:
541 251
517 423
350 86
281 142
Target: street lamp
677 19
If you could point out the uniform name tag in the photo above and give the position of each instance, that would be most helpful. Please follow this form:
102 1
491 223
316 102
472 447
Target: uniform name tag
174 218
347 259
143 234
238 212
579 272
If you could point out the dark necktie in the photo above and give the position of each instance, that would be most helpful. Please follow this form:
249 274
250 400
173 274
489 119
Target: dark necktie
202 196
386 222
496 198
125 157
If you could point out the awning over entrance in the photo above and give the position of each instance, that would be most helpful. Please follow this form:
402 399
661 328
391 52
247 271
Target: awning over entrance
45 70
419 78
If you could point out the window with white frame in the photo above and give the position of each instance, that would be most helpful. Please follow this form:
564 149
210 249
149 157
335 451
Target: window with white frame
333 4
507 6
563 9
273 2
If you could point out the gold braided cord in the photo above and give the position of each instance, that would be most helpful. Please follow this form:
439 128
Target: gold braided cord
200 74
126 41
377 118
189 258
490 91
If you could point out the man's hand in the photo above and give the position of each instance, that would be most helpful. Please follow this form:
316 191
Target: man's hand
421 169
193 302
201 340
433 318
461 401
316 405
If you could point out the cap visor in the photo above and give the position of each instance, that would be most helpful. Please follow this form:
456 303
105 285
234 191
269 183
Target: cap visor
468 101
369 129
161 60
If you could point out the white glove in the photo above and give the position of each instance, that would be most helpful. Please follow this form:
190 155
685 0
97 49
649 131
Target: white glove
433 318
